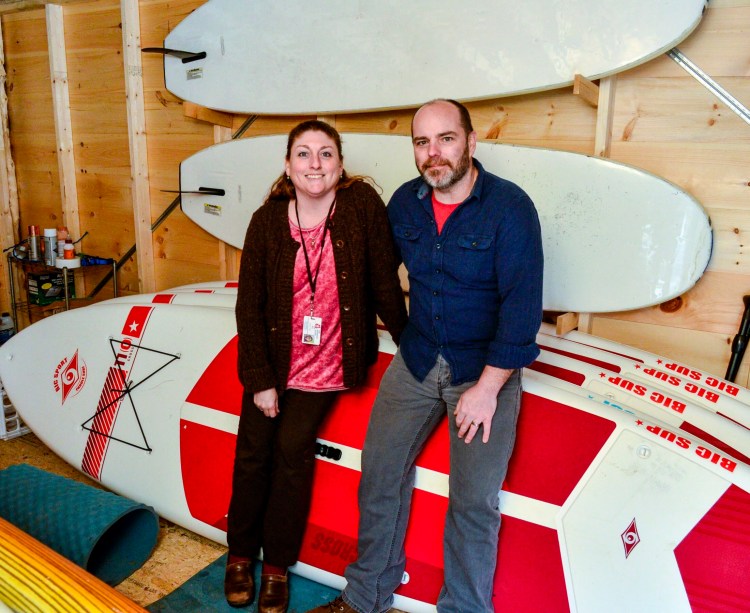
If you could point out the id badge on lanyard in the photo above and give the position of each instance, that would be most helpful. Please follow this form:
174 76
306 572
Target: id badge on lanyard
312 326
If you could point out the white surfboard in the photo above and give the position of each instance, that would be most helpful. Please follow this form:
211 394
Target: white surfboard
259 56
615 237
599 497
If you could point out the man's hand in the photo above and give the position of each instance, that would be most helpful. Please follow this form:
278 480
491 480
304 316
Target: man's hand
267 401
477 405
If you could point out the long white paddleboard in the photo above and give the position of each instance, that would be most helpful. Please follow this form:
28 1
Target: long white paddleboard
599 498
615 238
260 56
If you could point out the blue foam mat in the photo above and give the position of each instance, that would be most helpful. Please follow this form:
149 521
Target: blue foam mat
205 592
108 535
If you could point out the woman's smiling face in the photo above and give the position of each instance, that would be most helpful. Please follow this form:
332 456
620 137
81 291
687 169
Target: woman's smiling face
314 165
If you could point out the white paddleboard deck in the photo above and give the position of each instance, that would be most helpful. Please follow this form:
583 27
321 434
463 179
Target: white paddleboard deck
343 56
615 237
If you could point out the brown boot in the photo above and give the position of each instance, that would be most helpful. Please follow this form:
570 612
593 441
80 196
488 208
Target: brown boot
335 606
274 594
239 587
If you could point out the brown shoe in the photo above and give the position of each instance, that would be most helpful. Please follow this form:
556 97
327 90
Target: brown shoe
335 606
274 594
239 587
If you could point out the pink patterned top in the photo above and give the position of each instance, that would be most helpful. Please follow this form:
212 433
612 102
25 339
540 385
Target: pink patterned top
316 368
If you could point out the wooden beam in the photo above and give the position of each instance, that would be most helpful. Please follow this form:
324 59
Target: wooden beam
14 6
58 70
131 42
587 90
201 113
229 269
604 116
9 212
565 323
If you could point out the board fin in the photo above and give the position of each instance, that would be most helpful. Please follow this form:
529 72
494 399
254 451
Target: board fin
185 56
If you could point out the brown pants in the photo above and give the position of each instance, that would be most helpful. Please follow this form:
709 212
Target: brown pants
272 480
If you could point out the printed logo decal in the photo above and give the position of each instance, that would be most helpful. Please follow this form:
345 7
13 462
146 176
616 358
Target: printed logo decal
630 538
69 377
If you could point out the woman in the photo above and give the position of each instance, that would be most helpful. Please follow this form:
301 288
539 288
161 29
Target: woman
318 265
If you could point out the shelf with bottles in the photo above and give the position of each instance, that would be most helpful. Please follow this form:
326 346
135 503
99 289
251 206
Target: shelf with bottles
38 290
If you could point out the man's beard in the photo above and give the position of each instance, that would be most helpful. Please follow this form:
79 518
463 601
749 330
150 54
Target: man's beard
451 177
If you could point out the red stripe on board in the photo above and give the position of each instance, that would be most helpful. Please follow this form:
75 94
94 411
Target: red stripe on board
713 557
207 458
163 298
528 557
330 540
204 291
583 358
686 426
136 321
555 445
107 409
558 372
346 423
219 387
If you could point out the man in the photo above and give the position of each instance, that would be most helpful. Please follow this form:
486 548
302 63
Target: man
471 244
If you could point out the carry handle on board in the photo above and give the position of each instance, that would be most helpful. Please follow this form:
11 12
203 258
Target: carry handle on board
739 344
185 56
206 191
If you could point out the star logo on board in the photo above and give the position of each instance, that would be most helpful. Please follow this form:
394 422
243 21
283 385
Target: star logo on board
133 327
602 374
630 538
636 366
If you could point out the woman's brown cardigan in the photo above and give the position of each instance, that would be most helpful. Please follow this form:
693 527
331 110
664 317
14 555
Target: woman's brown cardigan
366 274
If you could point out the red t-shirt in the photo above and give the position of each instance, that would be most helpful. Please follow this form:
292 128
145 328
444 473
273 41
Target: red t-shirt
442 211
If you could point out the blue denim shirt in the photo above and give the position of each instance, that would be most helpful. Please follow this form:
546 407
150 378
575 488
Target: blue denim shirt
475 289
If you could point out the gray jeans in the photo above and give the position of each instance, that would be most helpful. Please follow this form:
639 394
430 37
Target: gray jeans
405 413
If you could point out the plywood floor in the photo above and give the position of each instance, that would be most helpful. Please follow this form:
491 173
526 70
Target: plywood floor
179 553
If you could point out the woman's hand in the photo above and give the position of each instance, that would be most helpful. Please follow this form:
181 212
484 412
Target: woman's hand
267 401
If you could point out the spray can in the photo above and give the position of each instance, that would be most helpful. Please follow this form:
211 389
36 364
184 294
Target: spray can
50 246
34 244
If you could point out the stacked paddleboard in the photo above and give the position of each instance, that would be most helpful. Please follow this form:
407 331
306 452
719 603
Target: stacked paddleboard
615 237
629 487
275 58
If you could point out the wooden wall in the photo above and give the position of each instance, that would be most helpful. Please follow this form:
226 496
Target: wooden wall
663 121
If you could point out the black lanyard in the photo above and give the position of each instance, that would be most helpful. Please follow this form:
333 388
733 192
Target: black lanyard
313 280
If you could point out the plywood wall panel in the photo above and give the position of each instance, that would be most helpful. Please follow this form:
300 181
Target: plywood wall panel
731 242
664 122
711 306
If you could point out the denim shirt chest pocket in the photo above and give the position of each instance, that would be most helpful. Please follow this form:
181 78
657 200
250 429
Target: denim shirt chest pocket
475 257
409 244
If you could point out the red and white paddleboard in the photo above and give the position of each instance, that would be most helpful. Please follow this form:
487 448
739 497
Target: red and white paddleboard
604 506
